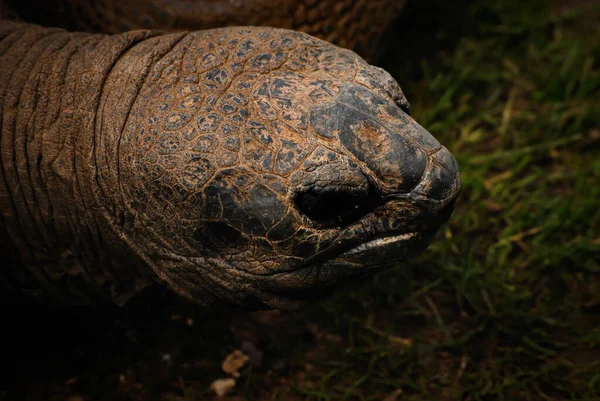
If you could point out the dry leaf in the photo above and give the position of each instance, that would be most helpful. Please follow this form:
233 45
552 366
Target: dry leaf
222 387
234 362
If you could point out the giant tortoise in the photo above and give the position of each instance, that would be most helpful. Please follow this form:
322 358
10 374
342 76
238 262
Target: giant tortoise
249 163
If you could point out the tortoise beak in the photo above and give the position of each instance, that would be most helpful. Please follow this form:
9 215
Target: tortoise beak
441 181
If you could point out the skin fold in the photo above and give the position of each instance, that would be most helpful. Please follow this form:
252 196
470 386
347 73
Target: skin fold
252 165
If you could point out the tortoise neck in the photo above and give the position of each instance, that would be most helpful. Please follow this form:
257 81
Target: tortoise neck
52 204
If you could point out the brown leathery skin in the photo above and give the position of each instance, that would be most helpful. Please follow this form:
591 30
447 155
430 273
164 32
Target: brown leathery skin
354 24
50 87
210 161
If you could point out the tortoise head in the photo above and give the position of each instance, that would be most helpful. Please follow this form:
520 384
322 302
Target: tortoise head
275 166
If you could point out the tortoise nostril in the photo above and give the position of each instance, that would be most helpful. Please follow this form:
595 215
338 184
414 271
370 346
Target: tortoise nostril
335 207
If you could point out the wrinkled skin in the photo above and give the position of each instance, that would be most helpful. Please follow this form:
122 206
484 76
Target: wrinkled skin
253 165
353 24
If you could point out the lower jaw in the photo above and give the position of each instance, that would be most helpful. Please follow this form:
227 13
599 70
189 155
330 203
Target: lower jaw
353 267
379 243
386 250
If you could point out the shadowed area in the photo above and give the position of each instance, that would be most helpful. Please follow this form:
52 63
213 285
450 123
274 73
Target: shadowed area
353 24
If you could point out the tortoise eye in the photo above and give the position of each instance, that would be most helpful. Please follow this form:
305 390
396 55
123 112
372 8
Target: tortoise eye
217 235
335 208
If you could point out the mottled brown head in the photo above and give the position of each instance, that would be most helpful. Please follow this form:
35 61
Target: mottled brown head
263 166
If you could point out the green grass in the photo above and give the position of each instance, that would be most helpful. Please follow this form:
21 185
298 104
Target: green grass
505 305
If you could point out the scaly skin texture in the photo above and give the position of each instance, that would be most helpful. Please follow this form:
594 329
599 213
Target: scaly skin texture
259 166
353 24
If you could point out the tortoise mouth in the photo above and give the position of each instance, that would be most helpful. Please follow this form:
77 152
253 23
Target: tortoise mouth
364 254
373 247
382 250
380 243
351 266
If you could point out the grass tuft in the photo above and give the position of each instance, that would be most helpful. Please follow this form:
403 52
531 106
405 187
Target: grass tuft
506 304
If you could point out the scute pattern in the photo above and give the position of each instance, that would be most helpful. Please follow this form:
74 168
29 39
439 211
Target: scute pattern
265 114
